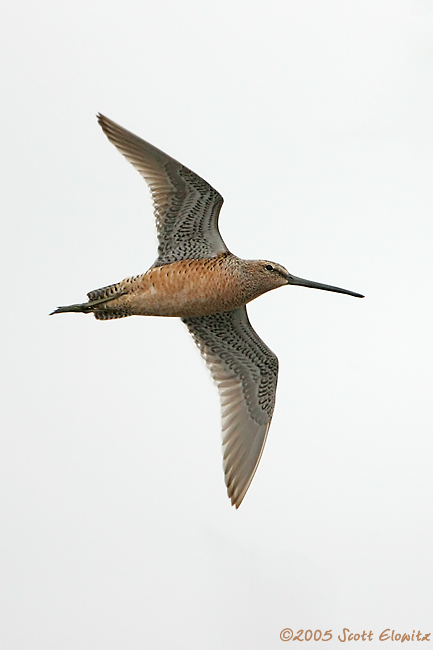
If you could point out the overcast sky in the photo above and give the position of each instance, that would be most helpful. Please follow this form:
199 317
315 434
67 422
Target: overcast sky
314 120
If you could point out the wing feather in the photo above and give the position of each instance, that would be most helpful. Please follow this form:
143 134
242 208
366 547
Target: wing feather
186 206
245 371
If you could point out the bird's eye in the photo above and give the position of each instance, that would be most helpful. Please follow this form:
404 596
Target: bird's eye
269 267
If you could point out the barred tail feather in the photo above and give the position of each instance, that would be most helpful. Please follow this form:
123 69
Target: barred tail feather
107 314
105 293
98 304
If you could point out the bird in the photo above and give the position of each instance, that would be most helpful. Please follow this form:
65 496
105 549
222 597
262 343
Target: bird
197 279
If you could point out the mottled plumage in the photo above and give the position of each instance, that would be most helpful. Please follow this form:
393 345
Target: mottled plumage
196 278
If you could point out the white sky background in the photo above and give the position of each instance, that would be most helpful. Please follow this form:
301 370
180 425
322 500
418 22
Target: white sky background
314 120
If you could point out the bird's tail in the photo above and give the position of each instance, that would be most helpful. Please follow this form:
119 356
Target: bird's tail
83 308
99 304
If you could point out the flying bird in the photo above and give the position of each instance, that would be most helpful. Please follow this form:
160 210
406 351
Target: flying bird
196 278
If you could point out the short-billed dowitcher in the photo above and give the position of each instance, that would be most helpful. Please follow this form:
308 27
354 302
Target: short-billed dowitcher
196 278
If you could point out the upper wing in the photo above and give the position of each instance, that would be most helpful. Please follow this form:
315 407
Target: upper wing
186 207
245 371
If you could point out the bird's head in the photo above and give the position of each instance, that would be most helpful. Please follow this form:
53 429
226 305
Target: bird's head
271 275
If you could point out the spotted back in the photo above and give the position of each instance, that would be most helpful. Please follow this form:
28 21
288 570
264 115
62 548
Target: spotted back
186 206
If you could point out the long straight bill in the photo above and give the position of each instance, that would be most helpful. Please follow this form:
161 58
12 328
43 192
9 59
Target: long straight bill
292 279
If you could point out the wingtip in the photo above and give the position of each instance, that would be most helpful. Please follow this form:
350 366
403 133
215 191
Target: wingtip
237 499
102 120
236 503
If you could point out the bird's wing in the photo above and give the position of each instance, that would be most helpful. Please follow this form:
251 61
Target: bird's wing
186 207
245 371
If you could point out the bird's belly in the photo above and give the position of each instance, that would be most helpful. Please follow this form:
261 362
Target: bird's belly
184 289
